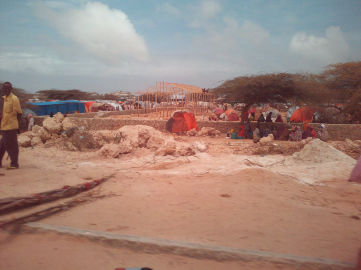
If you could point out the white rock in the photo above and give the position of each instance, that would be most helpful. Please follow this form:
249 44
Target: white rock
52 125
24 141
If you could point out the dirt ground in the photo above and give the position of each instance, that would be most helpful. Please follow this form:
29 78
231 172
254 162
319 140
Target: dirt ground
214 198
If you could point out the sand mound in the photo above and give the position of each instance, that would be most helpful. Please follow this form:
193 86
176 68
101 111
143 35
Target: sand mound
317 151
315 163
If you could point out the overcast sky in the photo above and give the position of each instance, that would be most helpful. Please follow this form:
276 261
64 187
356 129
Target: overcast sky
110 45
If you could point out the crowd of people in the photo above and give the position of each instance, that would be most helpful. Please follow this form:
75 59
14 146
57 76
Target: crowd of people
279 130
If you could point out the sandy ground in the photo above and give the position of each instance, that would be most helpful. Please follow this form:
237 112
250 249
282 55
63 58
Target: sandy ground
211 198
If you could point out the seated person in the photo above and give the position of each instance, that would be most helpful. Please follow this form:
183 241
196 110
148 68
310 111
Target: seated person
248 130
241 133
261 119
269 118
266 131
279 119
309 132
322 134
256 134
252 117
295 134
282 133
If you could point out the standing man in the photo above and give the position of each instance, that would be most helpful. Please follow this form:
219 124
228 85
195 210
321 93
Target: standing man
10 116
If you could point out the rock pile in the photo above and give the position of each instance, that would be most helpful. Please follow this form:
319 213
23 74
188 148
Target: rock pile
128 139
63 133
208 131
60 131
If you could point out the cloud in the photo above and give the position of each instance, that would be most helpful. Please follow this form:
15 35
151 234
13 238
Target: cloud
254 33
168 9
331 48
26 61
103 33
204 12
209 8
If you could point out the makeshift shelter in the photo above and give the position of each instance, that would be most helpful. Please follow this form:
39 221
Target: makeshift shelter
66 106
218 111
181 122
97 106
332 115
302 115
275 113
88 104
356 172
231 115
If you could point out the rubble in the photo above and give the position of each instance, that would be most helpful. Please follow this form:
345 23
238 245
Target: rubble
269 138
192 132
52 125
24 140
208 131
58 117
200 146
68 123
36 141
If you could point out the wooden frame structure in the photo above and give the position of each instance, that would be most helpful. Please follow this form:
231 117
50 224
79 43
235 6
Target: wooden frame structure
165 98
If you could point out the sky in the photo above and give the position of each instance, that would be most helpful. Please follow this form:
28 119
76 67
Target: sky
129 45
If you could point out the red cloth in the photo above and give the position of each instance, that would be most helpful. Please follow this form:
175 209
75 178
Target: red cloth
241 132
190 121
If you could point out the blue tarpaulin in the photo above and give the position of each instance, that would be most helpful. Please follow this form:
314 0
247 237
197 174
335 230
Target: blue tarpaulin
66 106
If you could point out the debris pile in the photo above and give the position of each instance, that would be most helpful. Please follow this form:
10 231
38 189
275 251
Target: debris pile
208 131
128 139
316 162
59 131
317 151
349 147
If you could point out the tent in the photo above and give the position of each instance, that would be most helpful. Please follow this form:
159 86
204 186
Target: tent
88 104
302 115
356 172
181 122
275 113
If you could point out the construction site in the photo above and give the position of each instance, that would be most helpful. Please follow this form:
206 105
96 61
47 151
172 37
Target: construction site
117 190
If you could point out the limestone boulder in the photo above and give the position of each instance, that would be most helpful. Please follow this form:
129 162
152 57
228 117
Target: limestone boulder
200 146
24 141
52 125
267 139
36 141
208 131
68 123
59 117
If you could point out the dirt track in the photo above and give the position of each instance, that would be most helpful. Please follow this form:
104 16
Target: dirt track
207 199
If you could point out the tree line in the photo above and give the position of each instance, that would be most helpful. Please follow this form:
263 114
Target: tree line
338 83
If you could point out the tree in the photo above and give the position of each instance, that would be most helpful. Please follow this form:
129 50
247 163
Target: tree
342 79
67 95
21 94
354 107
270 88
